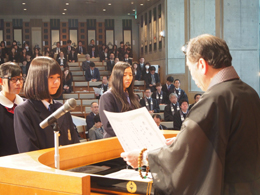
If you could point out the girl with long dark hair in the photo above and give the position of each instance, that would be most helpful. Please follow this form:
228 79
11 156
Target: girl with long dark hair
120 97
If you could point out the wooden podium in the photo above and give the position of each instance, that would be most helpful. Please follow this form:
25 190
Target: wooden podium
34 172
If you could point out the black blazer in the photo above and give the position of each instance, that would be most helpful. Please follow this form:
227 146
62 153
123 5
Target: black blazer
88 75
108 102
156 108
30 136
75 57
90 120
148 81
168 91
68 82
159 100
110 65
65 63
168 112
66 50
103 57
78 52
129 61
138 74
54 50
95 54
7 139
105 88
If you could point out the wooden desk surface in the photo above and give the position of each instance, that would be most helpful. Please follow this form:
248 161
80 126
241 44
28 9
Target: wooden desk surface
34 173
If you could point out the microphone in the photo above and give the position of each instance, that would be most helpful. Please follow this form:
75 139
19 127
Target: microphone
69 105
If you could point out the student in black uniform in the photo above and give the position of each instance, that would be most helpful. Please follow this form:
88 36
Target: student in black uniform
172 108
180 115
11 81
120 97
150 103
160 95
103 87
181 93
168 87
43 83
158 119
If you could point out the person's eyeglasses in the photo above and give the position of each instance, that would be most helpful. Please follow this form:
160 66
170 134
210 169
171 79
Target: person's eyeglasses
15 79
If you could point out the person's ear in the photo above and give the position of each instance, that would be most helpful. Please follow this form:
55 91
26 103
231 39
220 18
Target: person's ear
203 66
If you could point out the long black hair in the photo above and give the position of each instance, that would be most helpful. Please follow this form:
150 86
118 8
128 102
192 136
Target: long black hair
116 84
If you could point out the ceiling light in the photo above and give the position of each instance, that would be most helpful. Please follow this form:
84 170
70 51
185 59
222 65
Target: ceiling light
24 9
65 9
141 4
67 3
133 10
109 4
104 10
23 3
132 2
63 13
128 14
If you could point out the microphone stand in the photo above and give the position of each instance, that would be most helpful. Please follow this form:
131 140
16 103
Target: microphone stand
56 130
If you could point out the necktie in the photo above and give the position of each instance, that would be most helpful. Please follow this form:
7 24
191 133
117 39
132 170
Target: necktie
92 53
52 108
92 72
11 110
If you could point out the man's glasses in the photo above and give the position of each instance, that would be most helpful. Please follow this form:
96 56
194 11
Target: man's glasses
15 79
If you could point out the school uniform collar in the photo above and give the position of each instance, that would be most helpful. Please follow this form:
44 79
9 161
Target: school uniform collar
46 104
9 104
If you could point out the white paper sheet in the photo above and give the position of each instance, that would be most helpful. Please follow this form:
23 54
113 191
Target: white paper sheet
130 174
97 90
136 129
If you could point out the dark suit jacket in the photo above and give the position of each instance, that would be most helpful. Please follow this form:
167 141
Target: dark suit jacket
54 50
65 63
30 136
88 75
168 92
102 56
168 116
138 74
110 65
78 52
90 120
159 100
156 108
105 88
148 81
129 61
75 57
95 54
85 65
177 120
182 96
66 50
90 48
142 69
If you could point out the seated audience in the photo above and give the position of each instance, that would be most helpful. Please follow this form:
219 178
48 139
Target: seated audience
13 56
181 93
27 47
86 64
23 55
172 108
92 73
80 49
150 103
158 119
96 132
180 115
116 60
121 51
2 55
141 67
23 67
92 43
94 52
104 55
29 60
48 52
168 87
90 116
196 99
67 80
62 60
5 50
152 78
68 48
11 82
111 62
147 68
137 71
103 86
160 95
36 53
129 51
114 51
102 50
57 49
73 57
126 59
